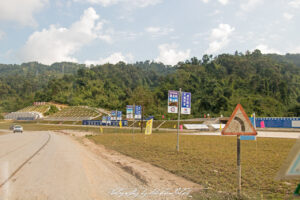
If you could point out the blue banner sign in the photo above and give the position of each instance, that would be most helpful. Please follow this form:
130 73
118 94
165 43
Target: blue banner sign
173 101
113 115
138 112
186 103
119 115
129 111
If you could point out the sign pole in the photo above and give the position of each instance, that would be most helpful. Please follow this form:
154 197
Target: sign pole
239 167
178 121
254 120
142 117
133 109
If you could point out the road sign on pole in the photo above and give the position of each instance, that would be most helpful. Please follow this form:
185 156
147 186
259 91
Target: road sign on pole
291 167
186 103
138 112
113 115
173 101
129 112
119 115
239 124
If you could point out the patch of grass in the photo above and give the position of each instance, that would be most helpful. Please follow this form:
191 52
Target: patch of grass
167 124
211 161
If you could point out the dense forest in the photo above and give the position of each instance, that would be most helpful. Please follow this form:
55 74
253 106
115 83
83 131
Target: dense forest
267 84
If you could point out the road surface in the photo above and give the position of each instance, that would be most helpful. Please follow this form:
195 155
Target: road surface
46 165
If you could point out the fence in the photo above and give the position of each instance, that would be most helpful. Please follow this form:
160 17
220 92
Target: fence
104 123
278 122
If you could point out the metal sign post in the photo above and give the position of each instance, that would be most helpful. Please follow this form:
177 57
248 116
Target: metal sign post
178 121
133 118
239 124
239 168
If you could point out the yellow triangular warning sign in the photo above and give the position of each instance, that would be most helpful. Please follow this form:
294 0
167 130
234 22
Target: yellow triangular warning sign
239 123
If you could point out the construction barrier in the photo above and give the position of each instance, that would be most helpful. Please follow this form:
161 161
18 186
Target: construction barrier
278 122
104 123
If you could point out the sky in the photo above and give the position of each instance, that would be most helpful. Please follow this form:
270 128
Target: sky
167 31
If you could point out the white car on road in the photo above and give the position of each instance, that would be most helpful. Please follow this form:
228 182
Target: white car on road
18 128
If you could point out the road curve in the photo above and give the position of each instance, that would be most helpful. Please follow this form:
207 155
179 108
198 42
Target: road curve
46 165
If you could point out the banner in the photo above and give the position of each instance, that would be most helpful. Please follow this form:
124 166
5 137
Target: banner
104 119
129 112
148 130
108 122
113 115
173 102
138 112
186 103
119 115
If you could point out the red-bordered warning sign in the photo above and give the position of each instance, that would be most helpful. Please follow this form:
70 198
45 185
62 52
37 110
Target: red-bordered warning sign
239 123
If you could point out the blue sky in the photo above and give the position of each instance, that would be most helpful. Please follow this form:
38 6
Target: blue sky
168 31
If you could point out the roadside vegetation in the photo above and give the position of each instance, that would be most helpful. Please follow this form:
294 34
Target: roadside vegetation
211 162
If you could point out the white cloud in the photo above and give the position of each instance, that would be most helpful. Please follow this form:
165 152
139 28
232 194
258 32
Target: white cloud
288 16
57 44
2 34
158 31
219 38
205 1
294 3
295 50
223 2
133 3
112 59
265 49
20 11
248 5
169 55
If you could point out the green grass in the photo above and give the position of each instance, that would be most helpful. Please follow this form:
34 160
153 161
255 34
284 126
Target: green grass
211 161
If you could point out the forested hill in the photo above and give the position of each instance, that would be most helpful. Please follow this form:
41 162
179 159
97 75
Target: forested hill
266 84
292 58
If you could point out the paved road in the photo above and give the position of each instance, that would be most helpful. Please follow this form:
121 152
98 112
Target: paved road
45 165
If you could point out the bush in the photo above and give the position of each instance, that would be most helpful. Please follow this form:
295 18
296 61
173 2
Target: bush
53 109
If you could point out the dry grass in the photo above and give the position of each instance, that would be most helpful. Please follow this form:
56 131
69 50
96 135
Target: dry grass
211 161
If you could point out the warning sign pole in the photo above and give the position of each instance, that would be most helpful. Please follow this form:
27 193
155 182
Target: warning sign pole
239 124
239 167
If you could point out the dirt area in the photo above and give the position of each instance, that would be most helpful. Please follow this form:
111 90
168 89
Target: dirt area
153 177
